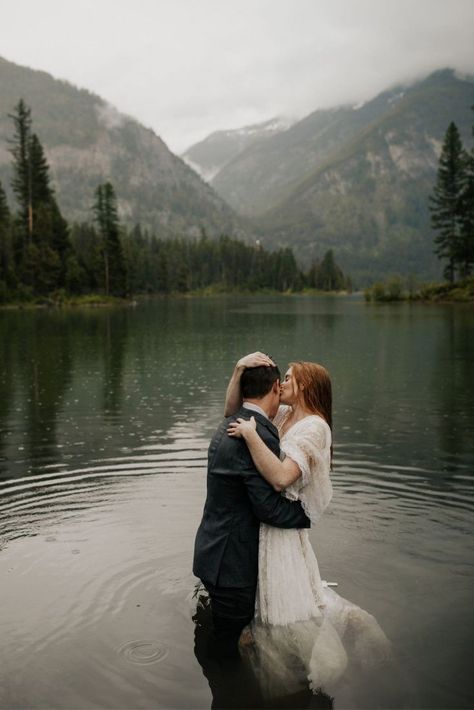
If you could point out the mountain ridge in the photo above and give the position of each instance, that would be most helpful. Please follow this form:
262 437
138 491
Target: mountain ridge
209 156
87 142
355 179
389 170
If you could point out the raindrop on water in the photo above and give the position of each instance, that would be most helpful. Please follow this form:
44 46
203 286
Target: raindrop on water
143 652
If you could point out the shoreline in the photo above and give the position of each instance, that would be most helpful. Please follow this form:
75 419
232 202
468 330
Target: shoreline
99 301
395 291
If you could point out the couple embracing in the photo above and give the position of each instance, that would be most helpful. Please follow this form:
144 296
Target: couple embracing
268 481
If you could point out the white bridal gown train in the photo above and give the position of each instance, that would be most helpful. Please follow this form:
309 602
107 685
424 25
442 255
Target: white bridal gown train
303 630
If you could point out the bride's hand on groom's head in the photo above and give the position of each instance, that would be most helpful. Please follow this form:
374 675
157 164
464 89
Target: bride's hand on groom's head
240 427
256 359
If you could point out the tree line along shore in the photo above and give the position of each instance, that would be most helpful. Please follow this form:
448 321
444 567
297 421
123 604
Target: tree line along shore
45 260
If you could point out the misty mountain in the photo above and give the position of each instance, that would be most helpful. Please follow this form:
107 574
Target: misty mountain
211 155
355 179
87 142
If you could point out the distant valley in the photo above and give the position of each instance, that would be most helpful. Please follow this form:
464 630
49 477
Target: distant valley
355 179
210 156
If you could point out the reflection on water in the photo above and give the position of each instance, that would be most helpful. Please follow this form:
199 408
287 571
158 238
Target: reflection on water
105 417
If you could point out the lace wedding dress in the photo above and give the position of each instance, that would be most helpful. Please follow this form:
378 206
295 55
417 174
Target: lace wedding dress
303 630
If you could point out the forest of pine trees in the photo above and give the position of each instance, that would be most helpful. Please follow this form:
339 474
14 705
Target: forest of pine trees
41 256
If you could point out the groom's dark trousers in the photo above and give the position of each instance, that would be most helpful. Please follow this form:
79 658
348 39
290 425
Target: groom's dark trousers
226 547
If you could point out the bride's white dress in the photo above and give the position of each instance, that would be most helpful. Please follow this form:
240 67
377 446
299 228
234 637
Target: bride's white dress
303 629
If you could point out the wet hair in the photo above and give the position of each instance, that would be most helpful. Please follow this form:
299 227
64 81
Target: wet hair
317 388
256 382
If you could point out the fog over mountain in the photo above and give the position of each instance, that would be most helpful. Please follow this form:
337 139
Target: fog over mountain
187 69
353 178
210 156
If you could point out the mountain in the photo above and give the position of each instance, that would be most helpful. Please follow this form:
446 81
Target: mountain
355 179
87 142
259 175
211 155
352 178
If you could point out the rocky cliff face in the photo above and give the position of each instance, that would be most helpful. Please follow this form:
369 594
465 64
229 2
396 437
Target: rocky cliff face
87 142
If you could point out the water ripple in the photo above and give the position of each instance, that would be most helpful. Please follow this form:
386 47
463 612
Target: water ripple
143 652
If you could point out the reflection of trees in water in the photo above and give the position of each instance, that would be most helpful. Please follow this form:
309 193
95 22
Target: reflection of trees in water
8 328
401 378
453 385
45 362
114 338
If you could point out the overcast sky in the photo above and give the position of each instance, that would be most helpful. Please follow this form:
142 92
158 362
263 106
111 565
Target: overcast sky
188 67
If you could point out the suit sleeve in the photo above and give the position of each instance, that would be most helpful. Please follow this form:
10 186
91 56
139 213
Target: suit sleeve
270 507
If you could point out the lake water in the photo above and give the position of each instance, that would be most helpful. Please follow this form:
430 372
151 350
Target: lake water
105 418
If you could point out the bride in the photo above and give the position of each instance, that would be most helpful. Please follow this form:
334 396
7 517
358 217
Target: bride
302 628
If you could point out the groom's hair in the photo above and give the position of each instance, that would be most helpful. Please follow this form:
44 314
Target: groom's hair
256 382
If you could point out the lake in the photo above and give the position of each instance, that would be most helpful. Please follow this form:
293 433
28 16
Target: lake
105 419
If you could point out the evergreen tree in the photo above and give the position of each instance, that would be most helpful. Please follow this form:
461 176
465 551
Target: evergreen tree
41 191
6 252
49 226
466 240
87 250
286 270
326 275
106 217
21 182
331 275
445 202
42 241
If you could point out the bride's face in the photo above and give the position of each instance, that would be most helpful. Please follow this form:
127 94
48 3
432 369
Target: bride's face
289 389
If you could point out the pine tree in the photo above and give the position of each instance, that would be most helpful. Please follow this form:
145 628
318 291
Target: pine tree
41 190
50 227
326 275
106 217
42 244
445 202
86 245
21 182
286 270
6 254
466 241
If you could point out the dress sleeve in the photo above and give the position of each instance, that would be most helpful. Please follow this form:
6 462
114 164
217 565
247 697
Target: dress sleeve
309 445
280 416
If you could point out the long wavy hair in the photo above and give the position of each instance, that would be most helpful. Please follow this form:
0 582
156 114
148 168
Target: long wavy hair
317 389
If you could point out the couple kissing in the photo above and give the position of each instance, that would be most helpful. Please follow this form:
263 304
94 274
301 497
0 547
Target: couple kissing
268 481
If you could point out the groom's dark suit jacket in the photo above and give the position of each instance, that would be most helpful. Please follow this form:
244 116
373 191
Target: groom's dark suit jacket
238 500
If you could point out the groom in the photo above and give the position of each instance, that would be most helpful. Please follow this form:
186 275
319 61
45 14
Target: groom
238 500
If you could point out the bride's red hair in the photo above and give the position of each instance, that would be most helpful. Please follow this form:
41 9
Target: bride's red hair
316 388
